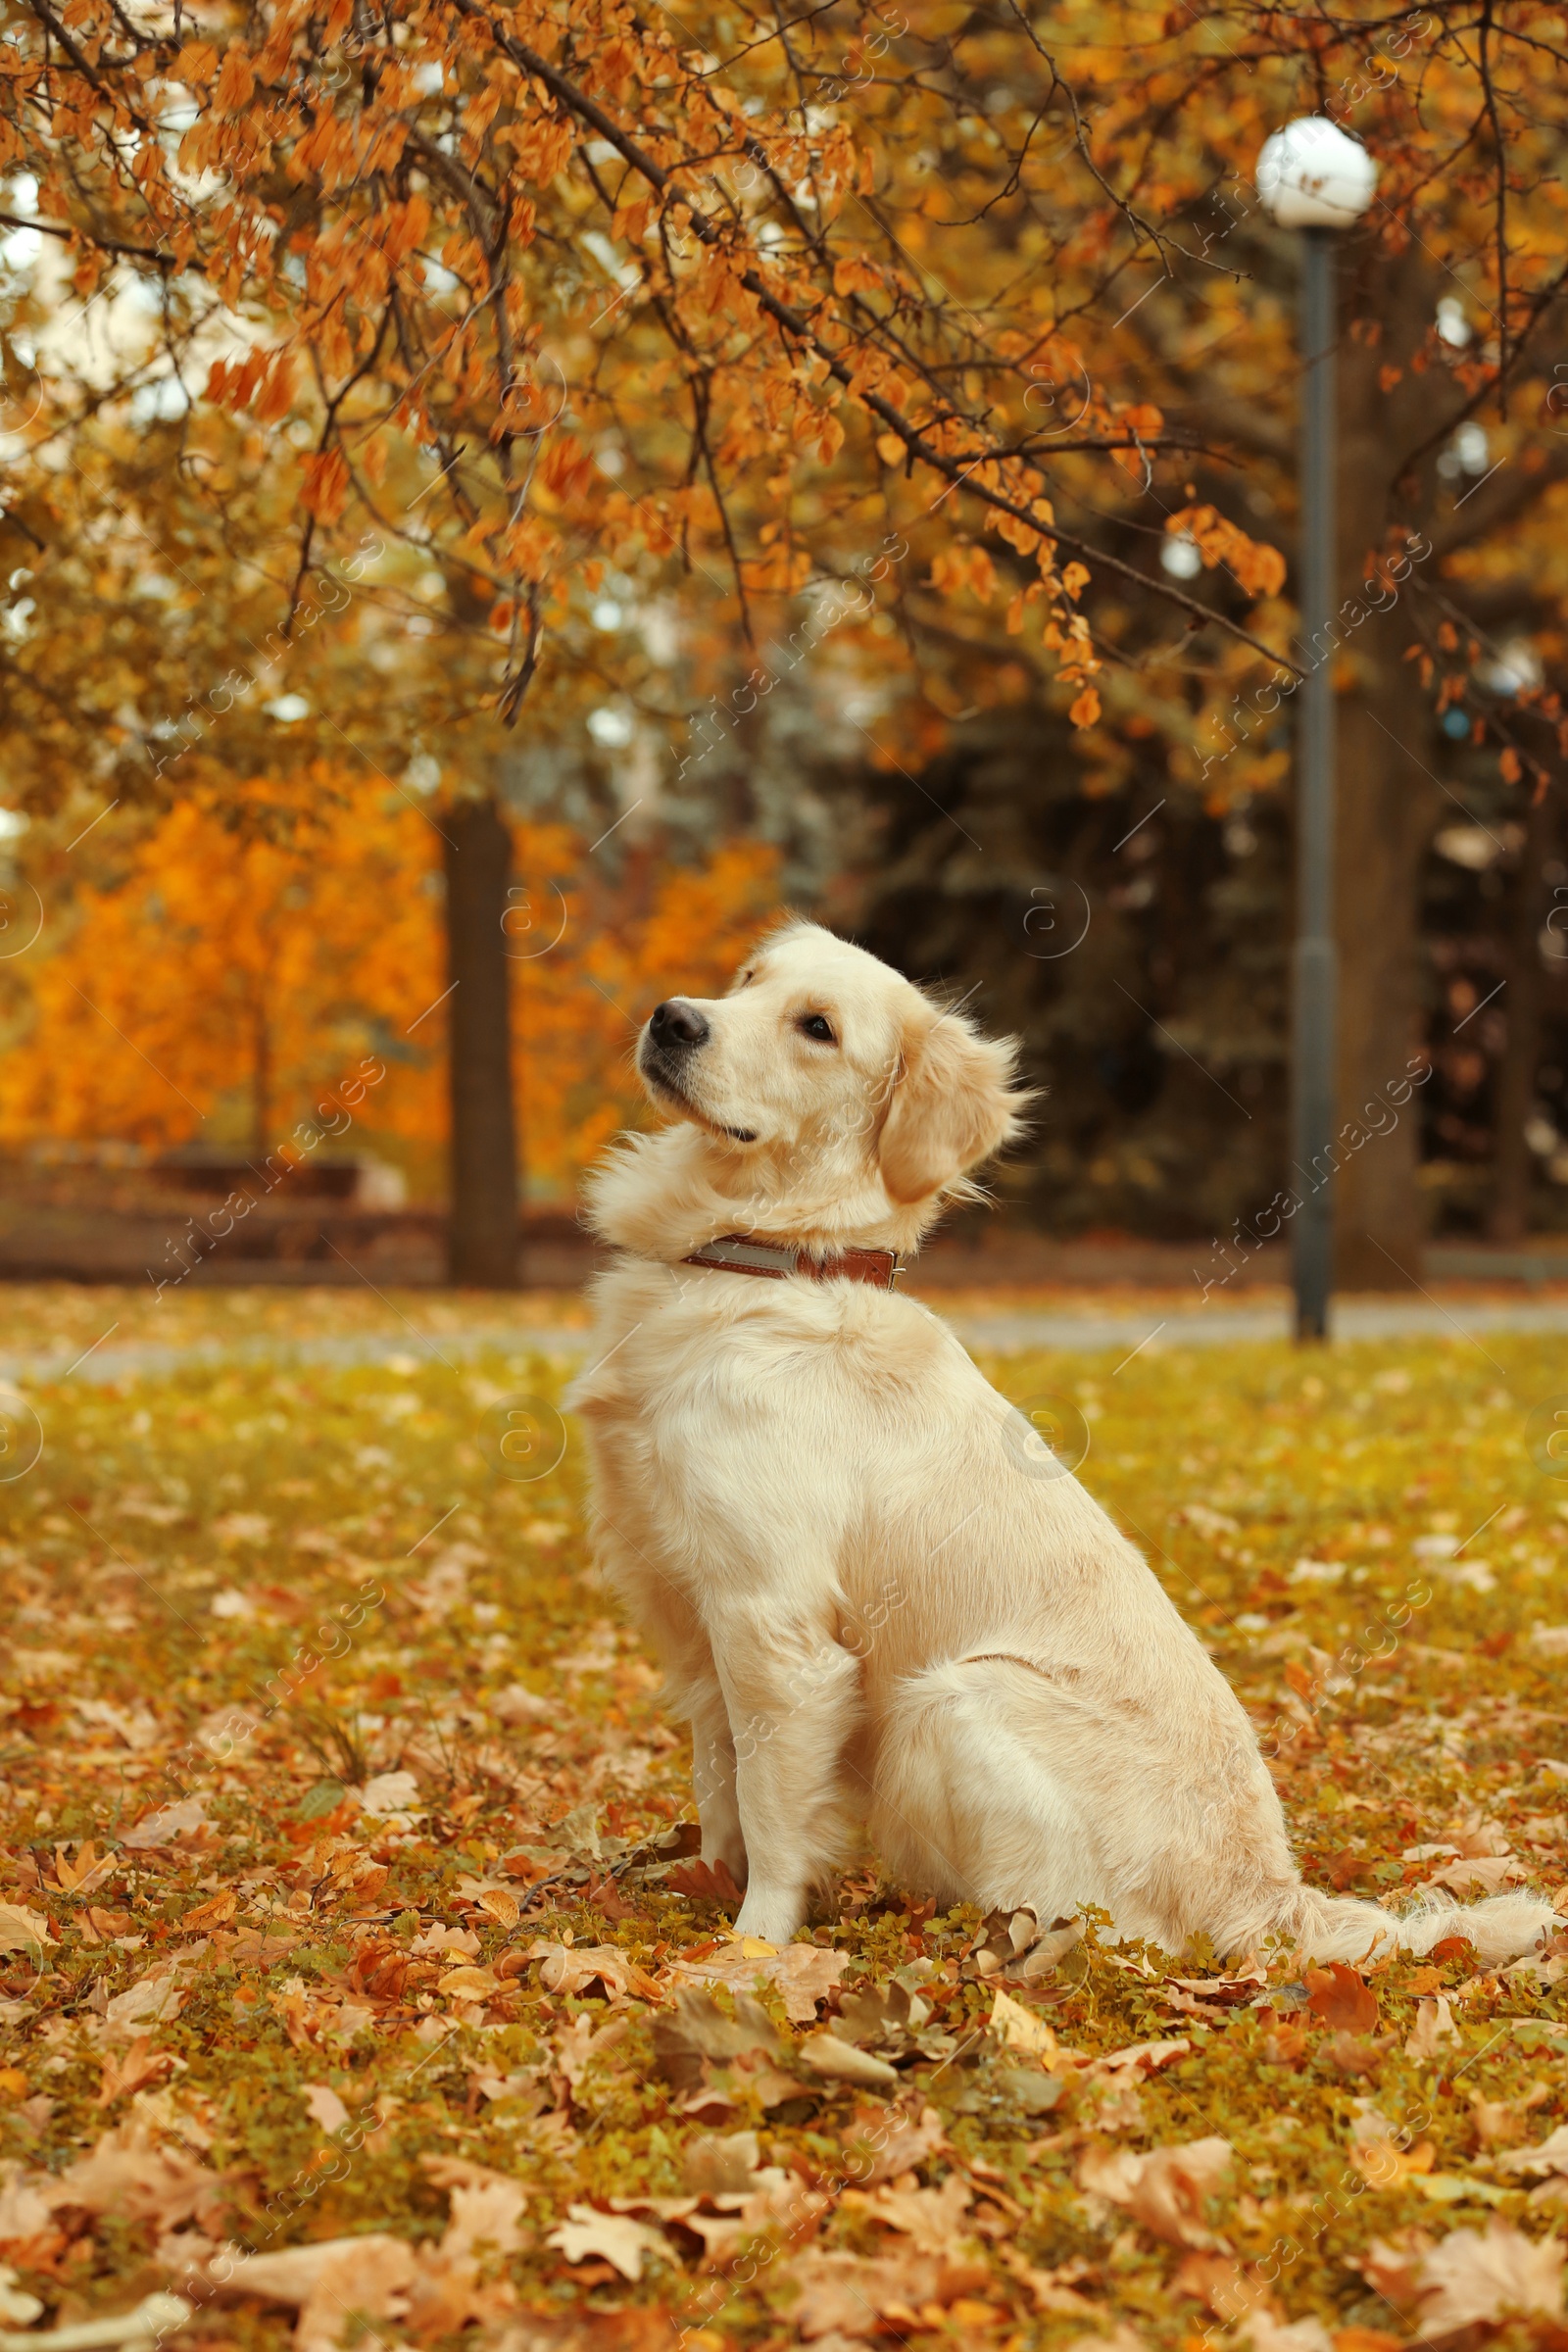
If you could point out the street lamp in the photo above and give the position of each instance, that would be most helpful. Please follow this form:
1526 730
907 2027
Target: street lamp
1313 176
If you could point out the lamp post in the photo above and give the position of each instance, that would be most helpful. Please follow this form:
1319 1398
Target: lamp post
1313 176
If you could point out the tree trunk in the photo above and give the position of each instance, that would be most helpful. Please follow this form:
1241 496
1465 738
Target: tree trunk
1521 1008
483 1243
1388 805
260 1081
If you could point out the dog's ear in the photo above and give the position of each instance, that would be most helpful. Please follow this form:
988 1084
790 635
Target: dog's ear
953 1104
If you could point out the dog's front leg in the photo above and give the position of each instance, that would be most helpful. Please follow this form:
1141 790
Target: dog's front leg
792 1701
713 1782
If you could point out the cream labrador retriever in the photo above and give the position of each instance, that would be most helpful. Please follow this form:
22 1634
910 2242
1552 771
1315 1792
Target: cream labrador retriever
878 1599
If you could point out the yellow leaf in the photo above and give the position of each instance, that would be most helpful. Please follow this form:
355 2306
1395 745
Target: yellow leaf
468 1984
209 1915
1019 2028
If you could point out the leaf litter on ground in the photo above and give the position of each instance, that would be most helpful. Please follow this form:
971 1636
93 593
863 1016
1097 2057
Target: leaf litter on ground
357 1974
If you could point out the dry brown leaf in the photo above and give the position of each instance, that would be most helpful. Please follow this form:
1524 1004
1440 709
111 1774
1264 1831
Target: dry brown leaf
139 2064
1052 2290
329 2284
153 2000
1550 2157
572 1968
324 2106
21 1929
715 2166
484 2219
932 2218
1021 2029
1480 1874
615 2237
1229 2292
881 2143
1165 2191
851 2293
28 2202
780 2207
166 1823
840 2062
804 1973
1392 2266
1341 1999
1434 2031
1142 2057
1266 2333
1479 2278
468 1984
1120 2338
131 2174
214 1914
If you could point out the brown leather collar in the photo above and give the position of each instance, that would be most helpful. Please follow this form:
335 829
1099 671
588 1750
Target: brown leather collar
737 1253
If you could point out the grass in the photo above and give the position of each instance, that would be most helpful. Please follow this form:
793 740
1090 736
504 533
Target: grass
249 1591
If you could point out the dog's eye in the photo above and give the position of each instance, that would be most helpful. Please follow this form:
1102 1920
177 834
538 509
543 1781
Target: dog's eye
812 1024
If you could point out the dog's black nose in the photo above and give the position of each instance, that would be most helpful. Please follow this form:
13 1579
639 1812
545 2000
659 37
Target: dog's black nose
677 1026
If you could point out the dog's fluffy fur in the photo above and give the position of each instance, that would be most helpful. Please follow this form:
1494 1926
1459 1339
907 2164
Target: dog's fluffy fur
876 1597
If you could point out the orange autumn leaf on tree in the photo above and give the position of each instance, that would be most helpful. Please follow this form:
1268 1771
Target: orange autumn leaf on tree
1257 566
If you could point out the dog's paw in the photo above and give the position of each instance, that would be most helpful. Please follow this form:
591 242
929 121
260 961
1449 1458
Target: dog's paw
772 1914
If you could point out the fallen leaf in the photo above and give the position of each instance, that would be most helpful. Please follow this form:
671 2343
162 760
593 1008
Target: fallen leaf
485 2214
1050 2289
1266 2334
1353 2054
709 1882
152 2000
214 1914
21 1929
623 2243
1550 2157
1434 2031
329 2284
713 2165
1480 1874
804 1973
139 2064
325 2107
934 2220
780 2206
1341 1999
572 1968
1480 2277
1229 2292
131 2174
1165 2191
840 2062
697 2032
881 2143
851 2295
169 1821
1020 2029
1392 2266
1142 2057
468 1984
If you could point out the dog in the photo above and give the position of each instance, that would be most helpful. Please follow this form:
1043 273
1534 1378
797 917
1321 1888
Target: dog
879 1600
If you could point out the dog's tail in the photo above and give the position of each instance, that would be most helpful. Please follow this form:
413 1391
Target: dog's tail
1332 1926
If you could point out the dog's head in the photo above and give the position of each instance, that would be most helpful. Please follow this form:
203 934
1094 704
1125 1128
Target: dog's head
832 1076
